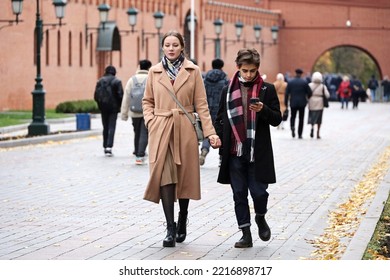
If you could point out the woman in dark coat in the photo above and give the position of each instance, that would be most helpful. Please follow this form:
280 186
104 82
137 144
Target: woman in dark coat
247 157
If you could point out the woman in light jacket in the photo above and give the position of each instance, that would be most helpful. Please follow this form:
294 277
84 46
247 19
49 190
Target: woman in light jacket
316 103
280 87
173 145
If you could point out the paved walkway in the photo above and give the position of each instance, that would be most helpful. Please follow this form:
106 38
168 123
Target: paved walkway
63 200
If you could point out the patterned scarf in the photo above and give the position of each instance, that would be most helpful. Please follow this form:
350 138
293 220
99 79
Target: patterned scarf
172 68
235 111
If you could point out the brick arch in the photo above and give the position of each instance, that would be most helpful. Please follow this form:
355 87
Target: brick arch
310 27
374 59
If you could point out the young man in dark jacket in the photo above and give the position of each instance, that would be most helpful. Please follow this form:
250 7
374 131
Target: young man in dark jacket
247 109
108 95
214 81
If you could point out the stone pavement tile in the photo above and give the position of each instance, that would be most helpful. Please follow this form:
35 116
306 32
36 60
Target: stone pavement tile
65 200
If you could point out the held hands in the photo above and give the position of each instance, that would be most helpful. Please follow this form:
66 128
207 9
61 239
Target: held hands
215 142
257 107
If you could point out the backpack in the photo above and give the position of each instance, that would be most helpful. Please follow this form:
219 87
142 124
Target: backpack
103 94
136 95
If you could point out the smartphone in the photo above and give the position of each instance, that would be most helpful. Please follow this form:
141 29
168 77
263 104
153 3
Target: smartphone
254 100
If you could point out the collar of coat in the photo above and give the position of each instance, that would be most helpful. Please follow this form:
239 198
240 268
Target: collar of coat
181 78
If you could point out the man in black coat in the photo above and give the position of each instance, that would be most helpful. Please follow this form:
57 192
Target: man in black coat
298 93
108 95
248 107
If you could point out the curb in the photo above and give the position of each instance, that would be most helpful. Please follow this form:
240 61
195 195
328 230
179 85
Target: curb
47 138
362 237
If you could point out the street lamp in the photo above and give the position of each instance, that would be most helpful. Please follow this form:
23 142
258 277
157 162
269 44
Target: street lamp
218 23
103 15
132 16
17 8
257 28
39 126
274 34
158 23
239 26
191 21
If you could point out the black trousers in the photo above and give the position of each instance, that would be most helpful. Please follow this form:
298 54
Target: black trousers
140 136
109 124
301 112
243 180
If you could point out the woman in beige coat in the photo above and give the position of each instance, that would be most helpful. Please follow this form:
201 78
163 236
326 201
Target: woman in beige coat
316 103
280 87
173 145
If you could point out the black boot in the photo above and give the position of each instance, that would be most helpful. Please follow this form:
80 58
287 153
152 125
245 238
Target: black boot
181 227
264 230
246 239
170 239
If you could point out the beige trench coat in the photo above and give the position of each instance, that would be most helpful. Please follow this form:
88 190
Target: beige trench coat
163 117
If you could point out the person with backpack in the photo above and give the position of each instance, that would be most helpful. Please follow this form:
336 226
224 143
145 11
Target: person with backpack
214 81
108 95
132 105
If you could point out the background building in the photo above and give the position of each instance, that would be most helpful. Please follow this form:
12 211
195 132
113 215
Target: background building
74 55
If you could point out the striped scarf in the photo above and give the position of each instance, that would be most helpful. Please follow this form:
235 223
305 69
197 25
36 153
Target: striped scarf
235 112
172 68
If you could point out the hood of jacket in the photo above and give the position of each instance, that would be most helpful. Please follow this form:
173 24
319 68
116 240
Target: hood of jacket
215 75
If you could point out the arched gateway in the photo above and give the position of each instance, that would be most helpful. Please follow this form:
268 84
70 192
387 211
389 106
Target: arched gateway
310 27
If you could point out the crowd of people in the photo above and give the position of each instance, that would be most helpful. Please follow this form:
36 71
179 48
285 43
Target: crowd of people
236 114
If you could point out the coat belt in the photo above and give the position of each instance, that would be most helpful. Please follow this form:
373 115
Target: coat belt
176 127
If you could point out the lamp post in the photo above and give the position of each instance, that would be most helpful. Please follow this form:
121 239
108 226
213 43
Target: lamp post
39 126
218 23
158 23
218 30
191 26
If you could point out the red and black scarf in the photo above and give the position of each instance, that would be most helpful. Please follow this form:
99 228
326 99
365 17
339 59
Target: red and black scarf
235 111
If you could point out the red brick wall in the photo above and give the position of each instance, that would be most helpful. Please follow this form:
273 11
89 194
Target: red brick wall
310 28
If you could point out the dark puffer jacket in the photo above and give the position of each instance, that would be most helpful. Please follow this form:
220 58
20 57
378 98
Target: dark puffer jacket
214 82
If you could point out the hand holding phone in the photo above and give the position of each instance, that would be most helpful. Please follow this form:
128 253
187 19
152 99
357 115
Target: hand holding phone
254 100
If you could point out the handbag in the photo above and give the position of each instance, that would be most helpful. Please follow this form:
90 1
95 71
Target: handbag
325 100
195 120
285 115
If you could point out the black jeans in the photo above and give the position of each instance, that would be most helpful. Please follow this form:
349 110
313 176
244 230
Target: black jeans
140 136
301 111
242 176
109 124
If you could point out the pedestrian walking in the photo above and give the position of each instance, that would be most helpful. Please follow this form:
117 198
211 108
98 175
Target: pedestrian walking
132 105
316 102
108 95
373 86
214 81
298 93
357 91
345 92
280 87
386 88
173 144
248 107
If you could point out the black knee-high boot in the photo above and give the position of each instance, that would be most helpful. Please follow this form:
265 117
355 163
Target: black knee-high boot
168 200
182 220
